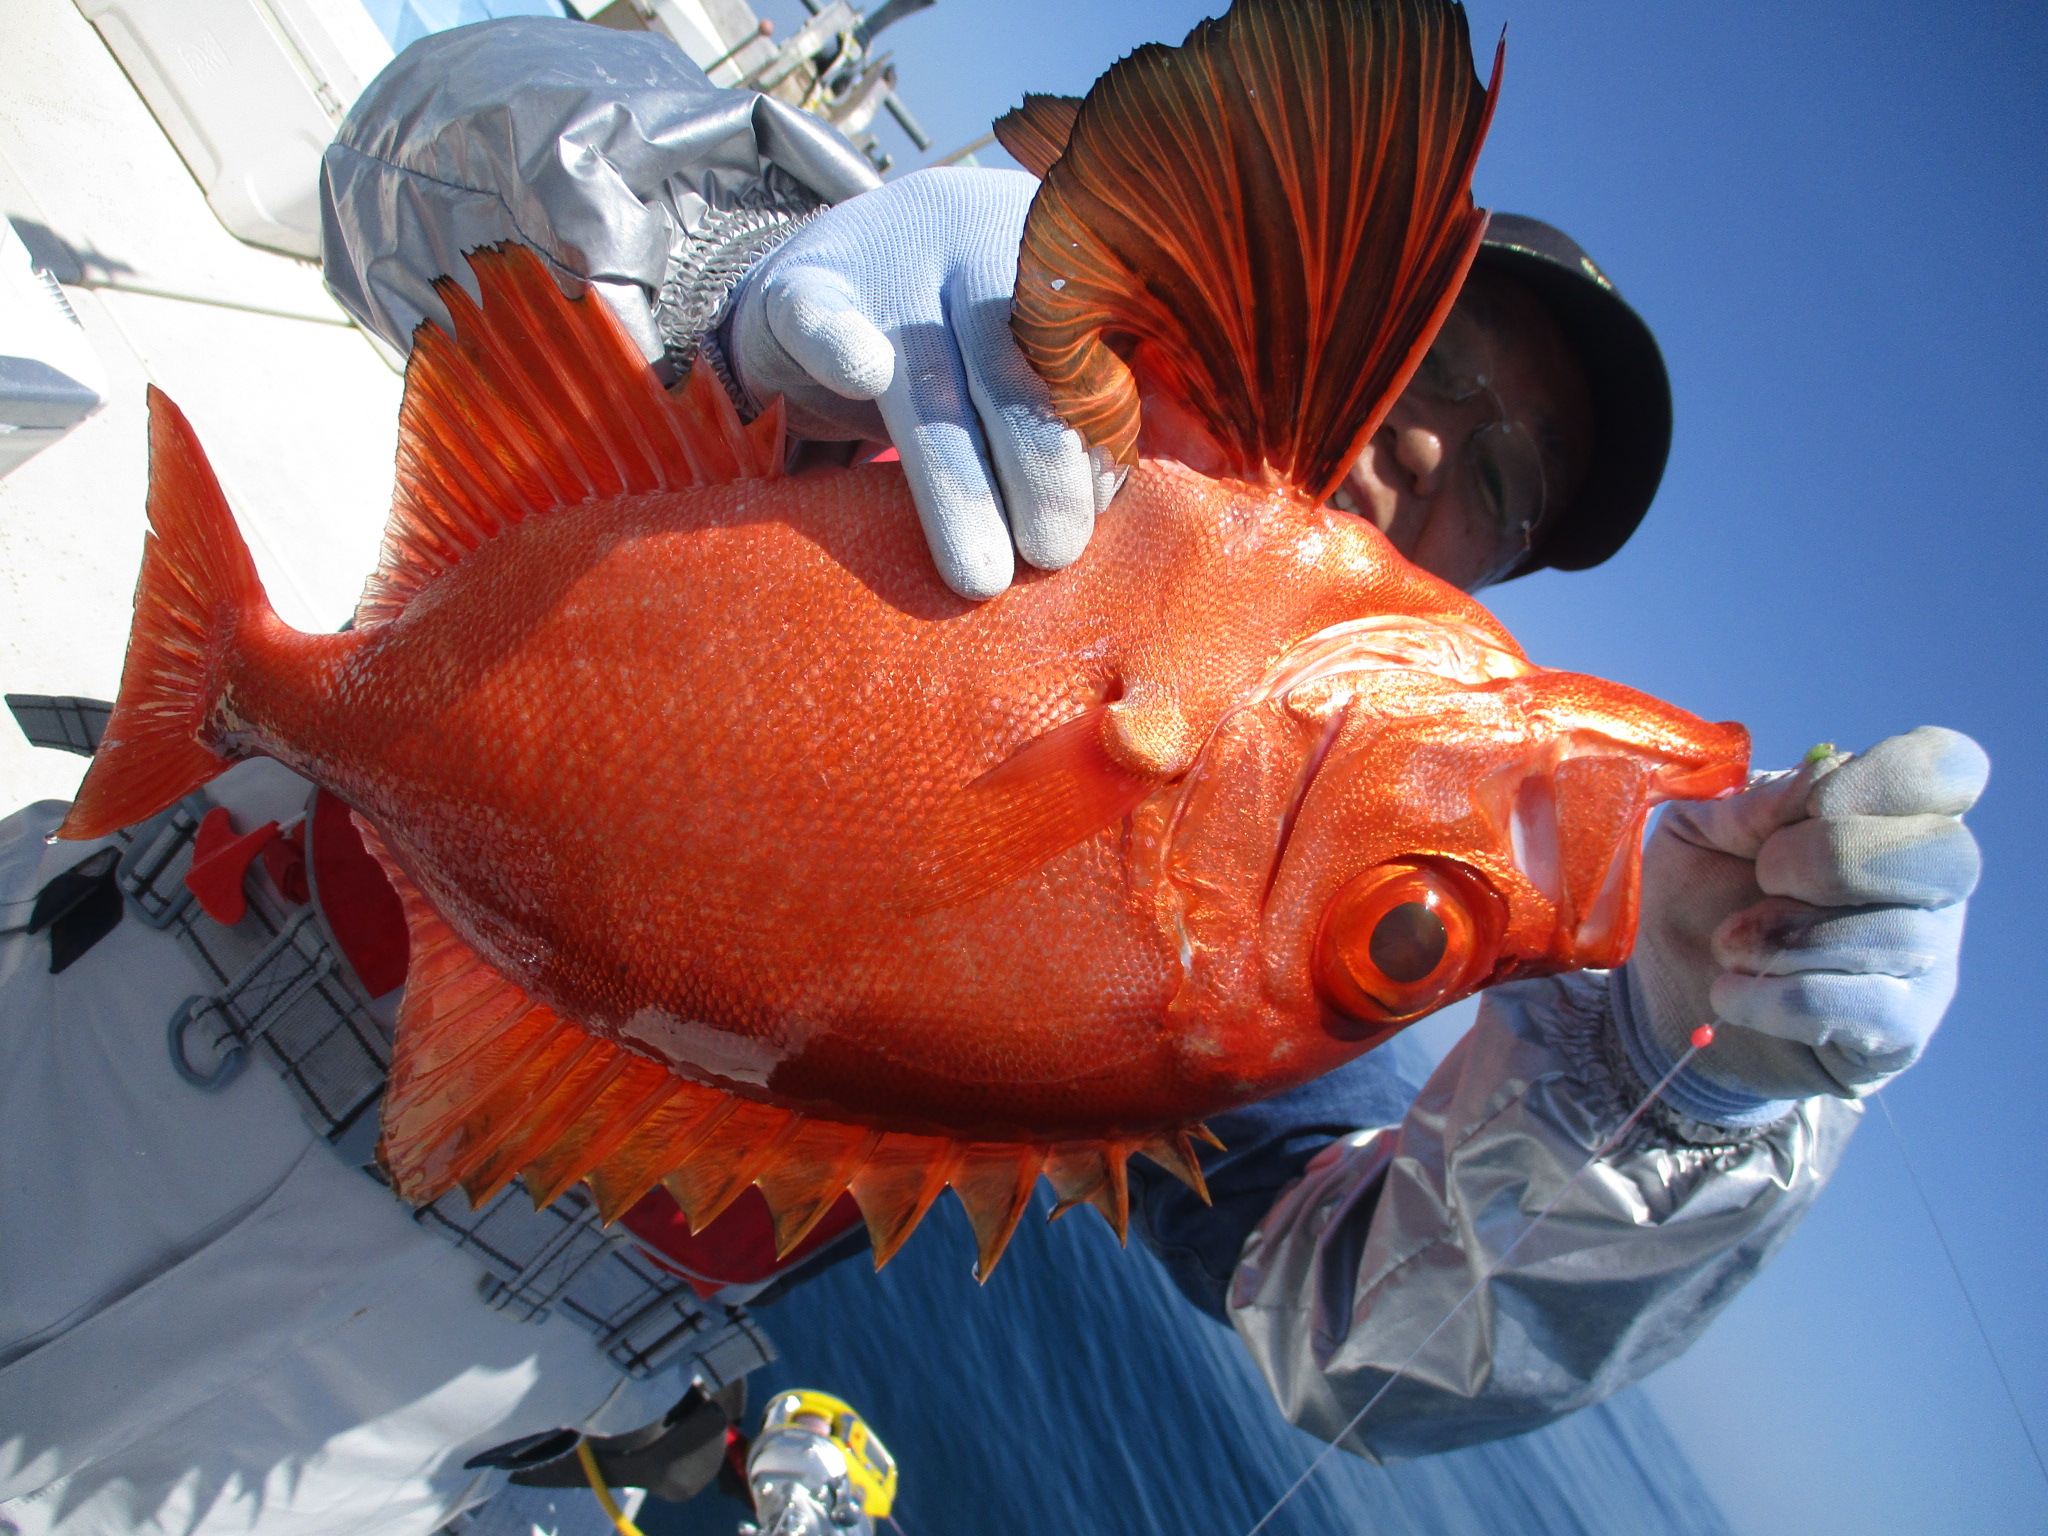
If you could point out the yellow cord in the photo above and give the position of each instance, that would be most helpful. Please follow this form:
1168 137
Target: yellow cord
604 1494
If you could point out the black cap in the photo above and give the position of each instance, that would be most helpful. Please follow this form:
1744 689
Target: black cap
1624 372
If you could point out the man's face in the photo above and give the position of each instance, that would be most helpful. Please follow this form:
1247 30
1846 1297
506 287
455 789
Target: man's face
1490 440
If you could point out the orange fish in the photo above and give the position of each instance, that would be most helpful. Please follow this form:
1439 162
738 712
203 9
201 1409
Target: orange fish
737 850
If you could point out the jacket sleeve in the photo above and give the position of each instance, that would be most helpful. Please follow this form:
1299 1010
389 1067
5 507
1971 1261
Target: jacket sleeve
1354 1264
608 152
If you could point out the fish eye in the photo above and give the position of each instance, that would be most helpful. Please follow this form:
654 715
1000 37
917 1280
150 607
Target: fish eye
1404 938
1408 942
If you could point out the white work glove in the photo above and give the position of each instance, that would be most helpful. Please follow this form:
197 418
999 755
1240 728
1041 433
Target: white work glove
1817 918
888 316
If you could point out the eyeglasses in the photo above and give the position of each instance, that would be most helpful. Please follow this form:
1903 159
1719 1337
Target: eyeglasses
1511 492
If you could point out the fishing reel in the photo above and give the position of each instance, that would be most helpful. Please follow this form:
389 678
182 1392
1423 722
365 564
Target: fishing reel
816 1469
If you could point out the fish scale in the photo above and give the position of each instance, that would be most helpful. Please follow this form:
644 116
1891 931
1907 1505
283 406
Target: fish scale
735 850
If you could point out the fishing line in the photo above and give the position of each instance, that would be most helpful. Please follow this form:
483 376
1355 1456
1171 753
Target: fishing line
1969 1301
1701 1039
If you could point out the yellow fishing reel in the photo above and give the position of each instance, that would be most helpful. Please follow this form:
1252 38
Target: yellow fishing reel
869 1466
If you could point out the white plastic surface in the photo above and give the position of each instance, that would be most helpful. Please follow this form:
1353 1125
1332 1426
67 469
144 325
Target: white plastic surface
209 1326
250 92
298 416
38 329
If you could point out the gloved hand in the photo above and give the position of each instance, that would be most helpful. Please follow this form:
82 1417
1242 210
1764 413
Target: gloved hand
888 316
1817 917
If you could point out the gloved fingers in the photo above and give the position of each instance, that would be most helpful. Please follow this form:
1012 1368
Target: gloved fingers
1781 937
1740 824
930 417
1931 771
1844 861
1863 1028
815 319
1107 475
1048 484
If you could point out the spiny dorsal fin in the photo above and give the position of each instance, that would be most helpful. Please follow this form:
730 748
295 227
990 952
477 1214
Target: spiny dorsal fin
1265 225
1036 133
812 1174
540 401
897 1185
488 1084
994 1184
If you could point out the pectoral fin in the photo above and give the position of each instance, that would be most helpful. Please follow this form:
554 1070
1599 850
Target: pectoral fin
1056 791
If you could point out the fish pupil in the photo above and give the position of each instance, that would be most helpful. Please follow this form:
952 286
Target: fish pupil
1408 942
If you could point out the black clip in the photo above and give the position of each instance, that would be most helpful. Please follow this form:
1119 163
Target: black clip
79 907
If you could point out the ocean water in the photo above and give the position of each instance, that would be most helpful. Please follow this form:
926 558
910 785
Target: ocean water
1079 1393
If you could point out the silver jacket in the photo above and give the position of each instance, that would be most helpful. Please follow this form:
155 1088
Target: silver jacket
608 152
1361 1258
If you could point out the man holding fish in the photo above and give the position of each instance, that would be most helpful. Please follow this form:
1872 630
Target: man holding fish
1816 916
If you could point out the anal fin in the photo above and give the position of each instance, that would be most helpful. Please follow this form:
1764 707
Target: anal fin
1173 1151
481 1072
656 1147
622 1104
1093 1173
897 1185
551 1107
723 1164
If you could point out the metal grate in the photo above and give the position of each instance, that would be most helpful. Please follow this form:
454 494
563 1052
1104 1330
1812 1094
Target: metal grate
290 1002
152 871
282 995
562 1259
66 724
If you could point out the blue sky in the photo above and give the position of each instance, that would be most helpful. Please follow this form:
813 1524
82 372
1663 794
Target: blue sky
1834 216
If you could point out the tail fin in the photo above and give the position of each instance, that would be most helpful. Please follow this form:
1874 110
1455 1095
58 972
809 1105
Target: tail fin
197 581
1266 225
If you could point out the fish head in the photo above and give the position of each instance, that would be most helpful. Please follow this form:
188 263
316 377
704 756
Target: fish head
1406 811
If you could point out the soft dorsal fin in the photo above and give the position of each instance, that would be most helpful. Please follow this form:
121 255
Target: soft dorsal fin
1036 133
540 401
1265 225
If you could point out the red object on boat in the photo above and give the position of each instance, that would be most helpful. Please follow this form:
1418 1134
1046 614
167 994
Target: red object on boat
736 1249
220 863
361 908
